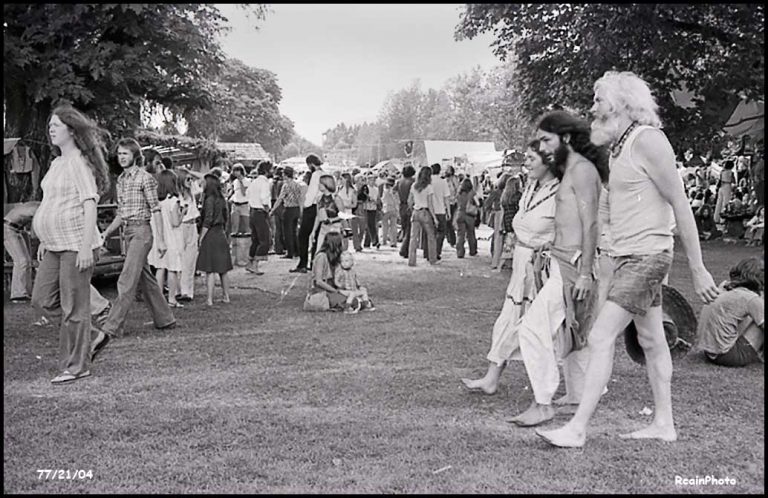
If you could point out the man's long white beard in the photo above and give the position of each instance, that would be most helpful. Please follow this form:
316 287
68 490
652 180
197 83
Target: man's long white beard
605 130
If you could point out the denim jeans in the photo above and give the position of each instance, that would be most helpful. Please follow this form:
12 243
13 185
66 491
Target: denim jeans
357 224
372 234
466 225
135 274
405 226
61 291
260 236
439 236
290 226
389 228
21 279
422 222
277 230
305 232
450 234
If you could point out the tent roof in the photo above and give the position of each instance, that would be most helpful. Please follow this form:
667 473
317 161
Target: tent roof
437 150
240 151
747 119
9 144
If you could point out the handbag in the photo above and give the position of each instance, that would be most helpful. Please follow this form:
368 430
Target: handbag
317 301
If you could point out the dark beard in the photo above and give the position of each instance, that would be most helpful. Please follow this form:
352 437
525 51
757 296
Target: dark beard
560 156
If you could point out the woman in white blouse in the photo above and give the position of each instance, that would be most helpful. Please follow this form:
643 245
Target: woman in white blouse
534 226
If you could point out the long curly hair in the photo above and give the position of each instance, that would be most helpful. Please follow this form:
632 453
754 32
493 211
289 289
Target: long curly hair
424 178
564 123
88 139
748 273
333 247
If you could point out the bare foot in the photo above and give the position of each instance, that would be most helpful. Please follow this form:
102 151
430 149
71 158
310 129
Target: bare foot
225 300
535 414
564 437
565 399
485 385
209 303
653 431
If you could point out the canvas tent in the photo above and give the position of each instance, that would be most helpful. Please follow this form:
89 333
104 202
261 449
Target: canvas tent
747 119
240 151
447 151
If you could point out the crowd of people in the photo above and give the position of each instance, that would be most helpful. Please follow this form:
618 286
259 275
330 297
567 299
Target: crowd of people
727 203
589 233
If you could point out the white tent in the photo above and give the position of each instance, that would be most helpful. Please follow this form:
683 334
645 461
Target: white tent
441 151
479 162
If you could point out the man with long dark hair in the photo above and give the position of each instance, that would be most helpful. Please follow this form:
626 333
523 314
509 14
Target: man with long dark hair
568 296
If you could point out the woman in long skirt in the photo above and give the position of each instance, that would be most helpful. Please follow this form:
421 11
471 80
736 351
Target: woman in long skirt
534 226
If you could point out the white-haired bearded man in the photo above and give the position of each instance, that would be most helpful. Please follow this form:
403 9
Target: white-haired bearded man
645 191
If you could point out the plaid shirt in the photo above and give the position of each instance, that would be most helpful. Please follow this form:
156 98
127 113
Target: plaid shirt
290 193
136 195
59 222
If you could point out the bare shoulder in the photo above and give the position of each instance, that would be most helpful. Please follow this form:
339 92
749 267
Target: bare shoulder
582 169
650 142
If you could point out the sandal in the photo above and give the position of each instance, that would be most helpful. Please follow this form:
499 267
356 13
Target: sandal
42 322
69 377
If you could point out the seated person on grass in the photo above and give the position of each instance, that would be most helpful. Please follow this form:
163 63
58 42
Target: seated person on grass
347 284
731 328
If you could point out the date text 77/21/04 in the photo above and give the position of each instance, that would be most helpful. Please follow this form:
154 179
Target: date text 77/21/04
61 474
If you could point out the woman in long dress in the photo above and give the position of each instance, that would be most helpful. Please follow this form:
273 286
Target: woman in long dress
534 226
214 256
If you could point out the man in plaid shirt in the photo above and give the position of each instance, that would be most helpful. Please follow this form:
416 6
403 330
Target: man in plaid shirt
136 203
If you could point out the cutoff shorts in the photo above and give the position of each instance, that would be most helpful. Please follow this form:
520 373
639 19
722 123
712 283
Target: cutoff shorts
637 279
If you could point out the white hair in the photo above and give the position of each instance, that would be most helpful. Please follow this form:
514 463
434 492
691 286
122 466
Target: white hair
627 93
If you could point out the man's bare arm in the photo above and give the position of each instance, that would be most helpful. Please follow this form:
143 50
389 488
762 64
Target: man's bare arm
586 187
656 154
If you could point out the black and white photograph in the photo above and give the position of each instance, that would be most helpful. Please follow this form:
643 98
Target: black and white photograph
383 248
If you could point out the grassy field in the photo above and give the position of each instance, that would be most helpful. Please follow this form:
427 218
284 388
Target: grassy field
260 397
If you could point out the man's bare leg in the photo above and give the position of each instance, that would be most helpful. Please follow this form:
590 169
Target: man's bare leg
611 321
490 382
650 334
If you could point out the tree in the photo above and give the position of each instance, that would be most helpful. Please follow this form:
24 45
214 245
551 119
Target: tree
107 59
714 51
245 108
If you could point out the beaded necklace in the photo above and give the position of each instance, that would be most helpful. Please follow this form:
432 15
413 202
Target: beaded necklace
552 191
616 148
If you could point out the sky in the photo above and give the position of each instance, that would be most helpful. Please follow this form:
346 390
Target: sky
337 63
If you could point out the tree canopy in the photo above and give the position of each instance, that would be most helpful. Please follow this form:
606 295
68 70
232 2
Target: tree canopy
107 60
244 109
714 51
477 106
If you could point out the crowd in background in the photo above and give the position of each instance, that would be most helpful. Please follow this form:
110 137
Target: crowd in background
727 199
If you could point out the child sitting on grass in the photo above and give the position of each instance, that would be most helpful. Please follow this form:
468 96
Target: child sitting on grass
731 328
347 284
